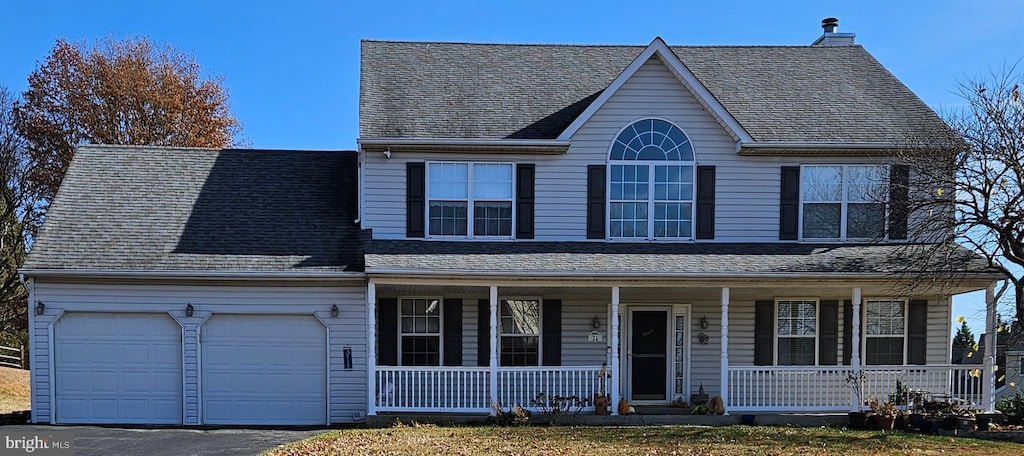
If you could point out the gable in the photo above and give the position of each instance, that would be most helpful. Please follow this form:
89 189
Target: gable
658 50
653 91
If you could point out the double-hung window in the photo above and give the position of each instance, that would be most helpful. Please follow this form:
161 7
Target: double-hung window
470 199
651 183
520 332
840 202
885 336
421 331
797 329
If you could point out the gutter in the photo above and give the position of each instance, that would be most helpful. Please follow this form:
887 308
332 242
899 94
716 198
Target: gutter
536 146
641 275
195 275
809 148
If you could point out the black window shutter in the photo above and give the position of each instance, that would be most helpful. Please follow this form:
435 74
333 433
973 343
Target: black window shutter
524 201
705 202
387 332
415 192
483 334
847 332
595 201
452 332
828 335
764 331
789 207
917 332
551 332
899 181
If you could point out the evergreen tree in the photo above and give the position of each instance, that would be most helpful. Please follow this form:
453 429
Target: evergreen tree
964 337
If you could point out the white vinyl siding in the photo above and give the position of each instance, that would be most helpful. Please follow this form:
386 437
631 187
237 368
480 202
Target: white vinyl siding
347 389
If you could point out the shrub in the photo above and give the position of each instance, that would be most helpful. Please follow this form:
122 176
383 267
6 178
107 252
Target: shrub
1012 408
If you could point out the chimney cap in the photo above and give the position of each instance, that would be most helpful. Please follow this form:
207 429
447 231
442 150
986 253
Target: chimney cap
830 24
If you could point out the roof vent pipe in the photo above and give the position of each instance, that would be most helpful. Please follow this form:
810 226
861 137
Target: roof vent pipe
831 37
830 24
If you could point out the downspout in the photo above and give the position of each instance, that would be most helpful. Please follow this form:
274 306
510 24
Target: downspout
360 178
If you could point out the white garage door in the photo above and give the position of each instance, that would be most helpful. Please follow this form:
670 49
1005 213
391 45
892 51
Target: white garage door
118 368
264 369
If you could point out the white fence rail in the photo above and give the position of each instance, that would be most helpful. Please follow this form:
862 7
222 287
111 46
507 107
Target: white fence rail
12 356
444 389
467 389
825 388
521 385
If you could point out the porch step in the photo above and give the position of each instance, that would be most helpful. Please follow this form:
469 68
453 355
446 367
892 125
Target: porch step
639 419
662 410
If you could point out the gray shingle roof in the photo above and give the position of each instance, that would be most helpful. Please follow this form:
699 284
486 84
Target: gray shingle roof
777 93
168 209
598 259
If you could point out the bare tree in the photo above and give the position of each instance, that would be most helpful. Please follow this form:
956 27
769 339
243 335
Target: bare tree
966 188
19 218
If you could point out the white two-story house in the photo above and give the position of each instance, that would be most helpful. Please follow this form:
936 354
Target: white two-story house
717 217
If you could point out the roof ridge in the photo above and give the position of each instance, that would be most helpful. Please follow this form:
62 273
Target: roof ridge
593 45
204 149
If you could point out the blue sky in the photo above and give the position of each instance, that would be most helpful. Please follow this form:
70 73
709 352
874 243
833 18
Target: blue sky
293 67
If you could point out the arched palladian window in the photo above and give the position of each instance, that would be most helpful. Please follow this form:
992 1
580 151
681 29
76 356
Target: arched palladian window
651 183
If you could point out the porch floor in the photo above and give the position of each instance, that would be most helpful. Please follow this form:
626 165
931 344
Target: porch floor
649 418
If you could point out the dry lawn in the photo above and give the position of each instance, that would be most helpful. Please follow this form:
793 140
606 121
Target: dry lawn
14 390
644 440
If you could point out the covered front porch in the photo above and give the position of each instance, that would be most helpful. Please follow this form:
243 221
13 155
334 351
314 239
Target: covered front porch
516 340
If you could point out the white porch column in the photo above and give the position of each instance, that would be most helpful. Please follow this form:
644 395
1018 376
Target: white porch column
988 386
725 349
371 348
613 328
494 345
855 349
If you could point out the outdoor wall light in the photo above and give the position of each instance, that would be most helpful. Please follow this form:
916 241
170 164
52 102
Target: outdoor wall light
597 322
703 322
40 307
334 310
387 154
189 310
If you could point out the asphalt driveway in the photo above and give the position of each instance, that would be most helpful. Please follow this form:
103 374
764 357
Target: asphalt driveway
94 440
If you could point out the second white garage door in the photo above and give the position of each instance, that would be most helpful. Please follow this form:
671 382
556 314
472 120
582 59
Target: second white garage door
264 369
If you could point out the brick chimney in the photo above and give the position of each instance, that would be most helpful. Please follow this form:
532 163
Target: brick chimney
831 37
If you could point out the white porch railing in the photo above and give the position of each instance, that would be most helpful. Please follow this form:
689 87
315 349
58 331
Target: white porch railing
520 385
467 389
439 389
824 388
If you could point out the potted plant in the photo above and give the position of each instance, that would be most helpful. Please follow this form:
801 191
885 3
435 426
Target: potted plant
884 414
601 399
966 421
856 380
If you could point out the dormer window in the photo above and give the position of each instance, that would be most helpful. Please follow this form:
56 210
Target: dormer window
651 183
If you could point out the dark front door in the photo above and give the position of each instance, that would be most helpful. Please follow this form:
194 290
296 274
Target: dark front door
648 342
